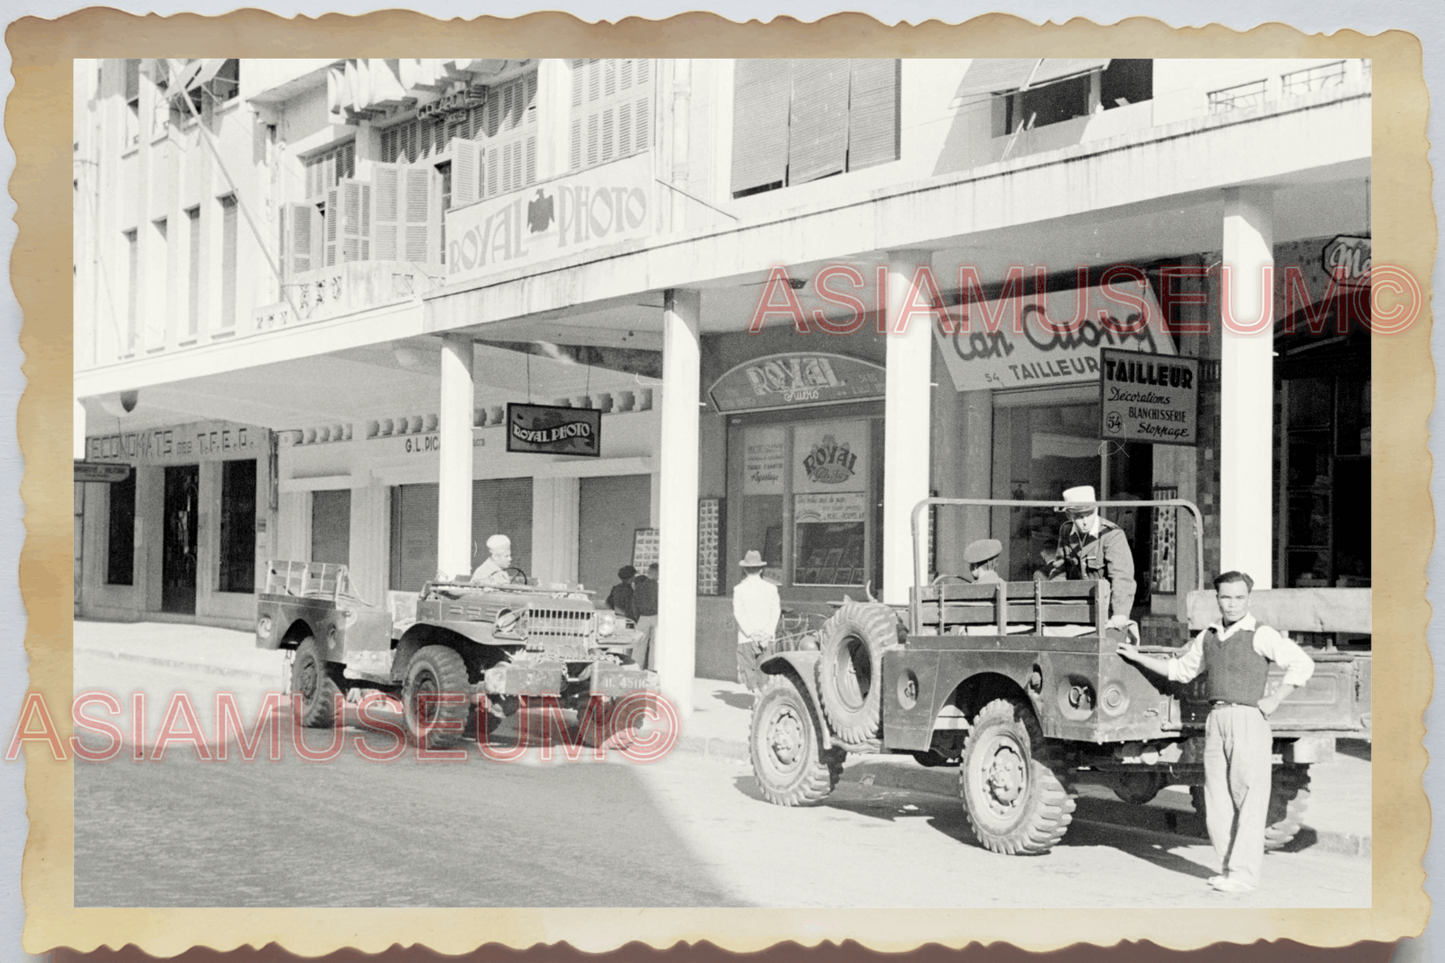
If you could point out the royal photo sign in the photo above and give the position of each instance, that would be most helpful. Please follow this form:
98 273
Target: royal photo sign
1149 399
797 379
553 430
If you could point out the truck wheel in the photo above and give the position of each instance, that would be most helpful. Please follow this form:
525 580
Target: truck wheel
850 668
1289 796
785 742
1138 788
315 679
1014 801
433 670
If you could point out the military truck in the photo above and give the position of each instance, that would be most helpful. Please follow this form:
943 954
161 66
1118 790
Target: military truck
1019 685
505 641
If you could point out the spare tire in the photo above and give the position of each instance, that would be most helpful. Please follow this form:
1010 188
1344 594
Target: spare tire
850 668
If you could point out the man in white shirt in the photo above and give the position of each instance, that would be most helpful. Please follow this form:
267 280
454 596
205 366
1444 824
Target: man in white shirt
1235 654
756 609
493 571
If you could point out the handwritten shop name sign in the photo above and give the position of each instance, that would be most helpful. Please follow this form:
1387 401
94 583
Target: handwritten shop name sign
596 207
1350 255
796 380
1057 340
1149 399
553 430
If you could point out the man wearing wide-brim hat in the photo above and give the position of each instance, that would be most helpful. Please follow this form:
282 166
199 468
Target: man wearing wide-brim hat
756 609
1091 547
981 557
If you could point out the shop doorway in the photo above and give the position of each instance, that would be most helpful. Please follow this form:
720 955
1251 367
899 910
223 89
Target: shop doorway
610 511
178 540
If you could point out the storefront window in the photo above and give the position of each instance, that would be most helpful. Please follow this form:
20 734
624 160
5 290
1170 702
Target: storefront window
830 502
120 555
238 526
764 462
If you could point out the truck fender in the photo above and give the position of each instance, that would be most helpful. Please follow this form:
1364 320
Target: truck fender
804 665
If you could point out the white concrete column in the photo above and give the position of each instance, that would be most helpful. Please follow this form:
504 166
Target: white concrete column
554 110
676 635
454 436
905 428
370 545
293 527
1246 430
555 506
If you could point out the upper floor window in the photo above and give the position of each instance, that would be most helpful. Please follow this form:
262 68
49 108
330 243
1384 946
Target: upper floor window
611 113
326 169
132 103
1031 93
216 81
801 120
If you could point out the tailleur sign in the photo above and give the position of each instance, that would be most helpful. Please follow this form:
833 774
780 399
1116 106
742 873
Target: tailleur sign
553 430
589 209
1062 336
1151 400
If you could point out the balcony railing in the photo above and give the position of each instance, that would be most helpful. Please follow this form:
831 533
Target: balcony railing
1314 78
340 290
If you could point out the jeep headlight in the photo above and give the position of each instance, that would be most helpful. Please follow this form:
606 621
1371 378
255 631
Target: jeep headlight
606 623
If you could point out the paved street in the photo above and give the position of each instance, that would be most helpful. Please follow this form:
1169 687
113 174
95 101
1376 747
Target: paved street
689 831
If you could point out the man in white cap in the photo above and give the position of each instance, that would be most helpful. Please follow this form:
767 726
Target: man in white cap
493 571
1091 547
756 609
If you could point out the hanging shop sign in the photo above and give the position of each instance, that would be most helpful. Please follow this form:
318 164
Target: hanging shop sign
104 472
202 441
553 430
589 209
830 456
797 380
1123 315
1350 253
1149 399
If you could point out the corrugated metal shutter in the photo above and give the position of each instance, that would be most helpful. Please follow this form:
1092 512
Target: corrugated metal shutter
761 91
503 506
413 536
818 127
331 526
872 113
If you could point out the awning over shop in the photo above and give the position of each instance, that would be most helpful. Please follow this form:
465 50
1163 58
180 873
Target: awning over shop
993 76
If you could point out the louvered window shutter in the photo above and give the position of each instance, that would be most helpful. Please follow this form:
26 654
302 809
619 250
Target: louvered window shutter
421 233
818 125
299 237
355 220
531 160
466 165
386 211
330 245
873 120
761 91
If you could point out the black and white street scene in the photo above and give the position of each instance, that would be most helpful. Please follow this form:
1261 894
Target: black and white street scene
723 483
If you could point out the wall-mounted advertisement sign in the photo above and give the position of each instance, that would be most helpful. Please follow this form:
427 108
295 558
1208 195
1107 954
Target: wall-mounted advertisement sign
589 209
1350 253
202 441
797 379
1153 400
553 430
105 472
1125 316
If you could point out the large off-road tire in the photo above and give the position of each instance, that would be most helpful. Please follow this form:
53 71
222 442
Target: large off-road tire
1289 796
433 670
786 746
316 680
1014 800
1138 787
850 668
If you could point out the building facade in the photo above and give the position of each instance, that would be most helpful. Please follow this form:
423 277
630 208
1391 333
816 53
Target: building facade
799 296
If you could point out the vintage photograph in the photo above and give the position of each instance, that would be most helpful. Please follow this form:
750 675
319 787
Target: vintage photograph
824 483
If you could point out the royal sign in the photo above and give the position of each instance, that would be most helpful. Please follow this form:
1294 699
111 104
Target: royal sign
553 430
797 380
590 209
1081 323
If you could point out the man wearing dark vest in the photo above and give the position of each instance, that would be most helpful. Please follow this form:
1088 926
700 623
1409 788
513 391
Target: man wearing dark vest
1234 654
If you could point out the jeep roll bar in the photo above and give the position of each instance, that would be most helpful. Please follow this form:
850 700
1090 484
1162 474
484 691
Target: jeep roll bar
915 603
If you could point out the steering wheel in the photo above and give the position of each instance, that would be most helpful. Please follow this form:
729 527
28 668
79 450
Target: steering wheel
515 575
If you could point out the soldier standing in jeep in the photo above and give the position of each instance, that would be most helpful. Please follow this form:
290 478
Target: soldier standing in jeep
1091 547
1235 654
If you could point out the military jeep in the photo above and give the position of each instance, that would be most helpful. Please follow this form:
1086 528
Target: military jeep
443 648
1020 686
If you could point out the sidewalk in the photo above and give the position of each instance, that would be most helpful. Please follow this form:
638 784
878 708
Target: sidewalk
1337 819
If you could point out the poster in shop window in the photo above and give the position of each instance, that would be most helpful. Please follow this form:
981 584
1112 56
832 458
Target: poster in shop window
1151 400
830 456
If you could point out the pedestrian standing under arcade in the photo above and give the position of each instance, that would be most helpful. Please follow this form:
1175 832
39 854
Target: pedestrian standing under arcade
644 599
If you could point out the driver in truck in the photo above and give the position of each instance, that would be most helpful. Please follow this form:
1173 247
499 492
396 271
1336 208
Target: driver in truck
493 571
1235 654
1090 547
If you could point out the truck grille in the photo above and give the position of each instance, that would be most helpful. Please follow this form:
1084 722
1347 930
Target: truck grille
548 625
